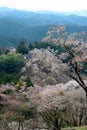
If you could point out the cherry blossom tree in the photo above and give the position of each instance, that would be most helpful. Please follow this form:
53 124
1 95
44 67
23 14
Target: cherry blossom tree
74 52
60 108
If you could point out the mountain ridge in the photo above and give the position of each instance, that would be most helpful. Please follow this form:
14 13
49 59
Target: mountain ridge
16 25
75 12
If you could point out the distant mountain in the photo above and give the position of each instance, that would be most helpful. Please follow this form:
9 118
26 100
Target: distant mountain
16 25
80 13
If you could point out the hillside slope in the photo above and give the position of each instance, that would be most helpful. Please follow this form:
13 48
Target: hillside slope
16 25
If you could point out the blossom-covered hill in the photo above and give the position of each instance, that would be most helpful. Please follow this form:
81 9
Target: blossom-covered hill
44 67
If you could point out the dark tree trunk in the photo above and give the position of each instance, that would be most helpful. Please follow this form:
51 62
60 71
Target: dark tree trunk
85 89
81 117
19 125
22 127
57 128
57 124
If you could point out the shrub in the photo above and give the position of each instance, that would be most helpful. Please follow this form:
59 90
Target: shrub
7 92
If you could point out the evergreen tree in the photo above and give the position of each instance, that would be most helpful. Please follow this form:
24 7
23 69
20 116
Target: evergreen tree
22 48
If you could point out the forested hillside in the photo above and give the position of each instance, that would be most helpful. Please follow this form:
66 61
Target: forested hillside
42 85
16 25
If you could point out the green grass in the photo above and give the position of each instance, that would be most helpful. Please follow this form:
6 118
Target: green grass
76 128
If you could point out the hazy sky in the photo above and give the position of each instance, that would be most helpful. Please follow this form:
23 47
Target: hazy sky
53 5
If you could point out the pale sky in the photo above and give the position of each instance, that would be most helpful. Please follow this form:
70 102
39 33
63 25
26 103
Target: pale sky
51 5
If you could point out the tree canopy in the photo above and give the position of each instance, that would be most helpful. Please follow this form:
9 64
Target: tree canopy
75 52
22 48
11 63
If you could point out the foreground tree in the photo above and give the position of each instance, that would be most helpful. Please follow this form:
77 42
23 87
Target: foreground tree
60 108
55 117
74 52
